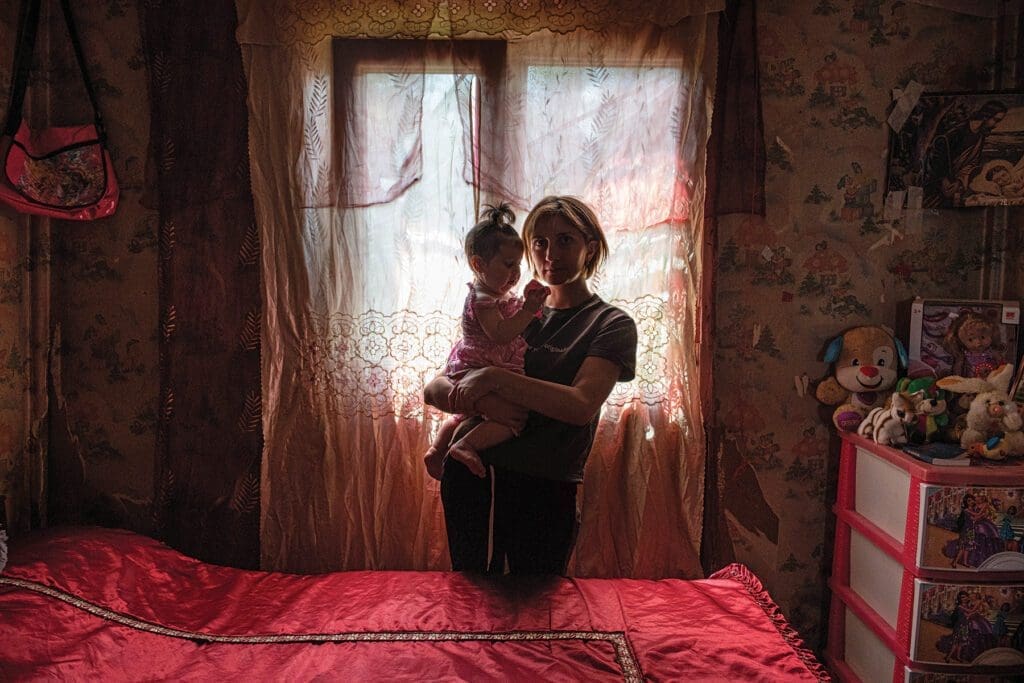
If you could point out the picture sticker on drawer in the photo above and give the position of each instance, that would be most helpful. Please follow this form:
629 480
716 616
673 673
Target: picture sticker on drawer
972 528
969 624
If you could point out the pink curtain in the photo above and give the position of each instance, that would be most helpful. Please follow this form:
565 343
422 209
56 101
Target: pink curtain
370 160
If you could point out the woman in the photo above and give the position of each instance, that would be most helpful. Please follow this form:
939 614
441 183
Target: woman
577 350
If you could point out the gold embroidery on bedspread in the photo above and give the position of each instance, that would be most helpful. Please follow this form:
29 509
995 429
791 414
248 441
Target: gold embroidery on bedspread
624 656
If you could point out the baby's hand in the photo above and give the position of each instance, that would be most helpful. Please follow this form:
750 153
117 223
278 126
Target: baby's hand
534 295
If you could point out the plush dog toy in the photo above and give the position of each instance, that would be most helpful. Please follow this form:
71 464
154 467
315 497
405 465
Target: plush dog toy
865 364
931 419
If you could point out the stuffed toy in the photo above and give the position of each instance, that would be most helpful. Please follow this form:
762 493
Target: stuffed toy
1000 447
865 364
931 417
888 425
992 426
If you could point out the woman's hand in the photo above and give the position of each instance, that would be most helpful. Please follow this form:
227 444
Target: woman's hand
497 409
470 388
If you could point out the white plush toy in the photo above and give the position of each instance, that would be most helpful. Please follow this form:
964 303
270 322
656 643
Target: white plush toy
888 425
992 413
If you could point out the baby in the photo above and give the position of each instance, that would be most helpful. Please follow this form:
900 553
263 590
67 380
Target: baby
493 318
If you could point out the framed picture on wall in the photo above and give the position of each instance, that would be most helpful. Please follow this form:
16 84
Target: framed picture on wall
961 149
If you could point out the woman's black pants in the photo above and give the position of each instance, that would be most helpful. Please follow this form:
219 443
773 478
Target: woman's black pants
535 521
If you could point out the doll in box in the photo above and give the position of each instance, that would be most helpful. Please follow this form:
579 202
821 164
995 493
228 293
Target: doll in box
975 341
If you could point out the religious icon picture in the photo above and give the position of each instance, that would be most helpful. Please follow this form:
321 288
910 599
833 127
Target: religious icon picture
961 149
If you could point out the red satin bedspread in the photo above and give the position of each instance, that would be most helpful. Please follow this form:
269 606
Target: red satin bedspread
101 604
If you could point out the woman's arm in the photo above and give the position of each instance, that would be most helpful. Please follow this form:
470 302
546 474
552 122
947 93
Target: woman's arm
576 403
438 392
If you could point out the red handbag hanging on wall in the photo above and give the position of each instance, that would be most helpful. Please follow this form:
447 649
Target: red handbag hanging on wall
61 171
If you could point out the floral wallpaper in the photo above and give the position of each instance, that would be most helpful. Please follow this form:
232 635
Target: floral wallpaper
17 474
822 259
96 282
104 298
14 375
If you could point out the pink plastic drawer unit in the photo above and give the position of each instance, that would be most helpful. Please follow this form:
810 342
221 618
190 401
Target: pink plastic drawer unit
946 628
928 569
860 646
956 523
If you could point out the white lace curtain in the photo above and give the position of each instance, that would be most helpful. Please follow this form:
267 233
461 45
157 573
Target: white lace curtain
370 159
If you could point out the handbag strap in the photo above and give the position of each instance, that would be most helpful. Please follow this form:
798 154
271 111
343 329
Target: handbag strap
69 19
28 28
28 21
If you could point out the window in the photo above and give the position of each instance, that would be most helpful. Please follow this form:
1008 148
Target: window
364 280
423 123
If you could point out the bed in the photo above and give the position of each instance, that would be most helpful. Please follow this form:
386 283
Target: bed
101 604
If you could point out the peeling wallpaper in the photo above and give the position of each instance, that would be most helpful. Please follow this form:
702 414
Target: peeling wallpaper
822 260
818 262
14 333
99 281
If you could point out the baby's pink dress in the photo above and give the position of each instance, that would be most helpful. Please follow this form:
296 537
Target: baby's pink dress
475 349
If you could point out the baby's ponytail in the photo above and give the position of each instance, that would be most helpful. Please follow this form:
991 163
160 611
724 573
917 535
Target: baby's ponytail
494 229
499 215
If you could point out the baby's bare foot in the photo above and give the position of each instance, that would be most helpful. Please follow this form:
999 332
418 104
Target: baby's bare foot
468 457
434 460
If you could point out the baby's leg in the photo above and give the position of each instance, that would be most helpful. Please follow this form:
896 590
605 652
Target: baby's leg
483 436
434 459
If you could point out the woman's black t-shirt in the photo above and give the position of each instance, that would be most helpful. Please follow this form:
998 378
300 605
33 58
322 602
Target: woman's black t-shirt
558 344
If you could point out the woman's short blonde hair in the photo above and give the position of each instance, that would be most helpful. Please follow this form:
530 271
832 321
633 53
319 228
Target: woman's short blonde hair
579 215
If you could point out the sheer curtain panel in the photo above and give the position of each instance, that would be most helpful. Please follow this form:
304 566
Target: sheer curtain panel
376 135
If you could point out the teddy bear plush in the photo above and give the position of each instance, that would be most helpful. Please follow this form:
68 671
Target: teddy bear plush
865 364
993 423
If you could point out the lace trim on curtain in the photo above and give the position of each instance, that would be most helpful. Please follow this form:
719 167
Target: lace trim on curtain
376 364
291 22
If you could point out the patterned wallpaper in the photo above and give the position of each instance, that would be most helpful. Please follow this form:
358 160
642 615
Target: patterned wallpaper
101 278
818 262
104 298
823 259
14 331
14 374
